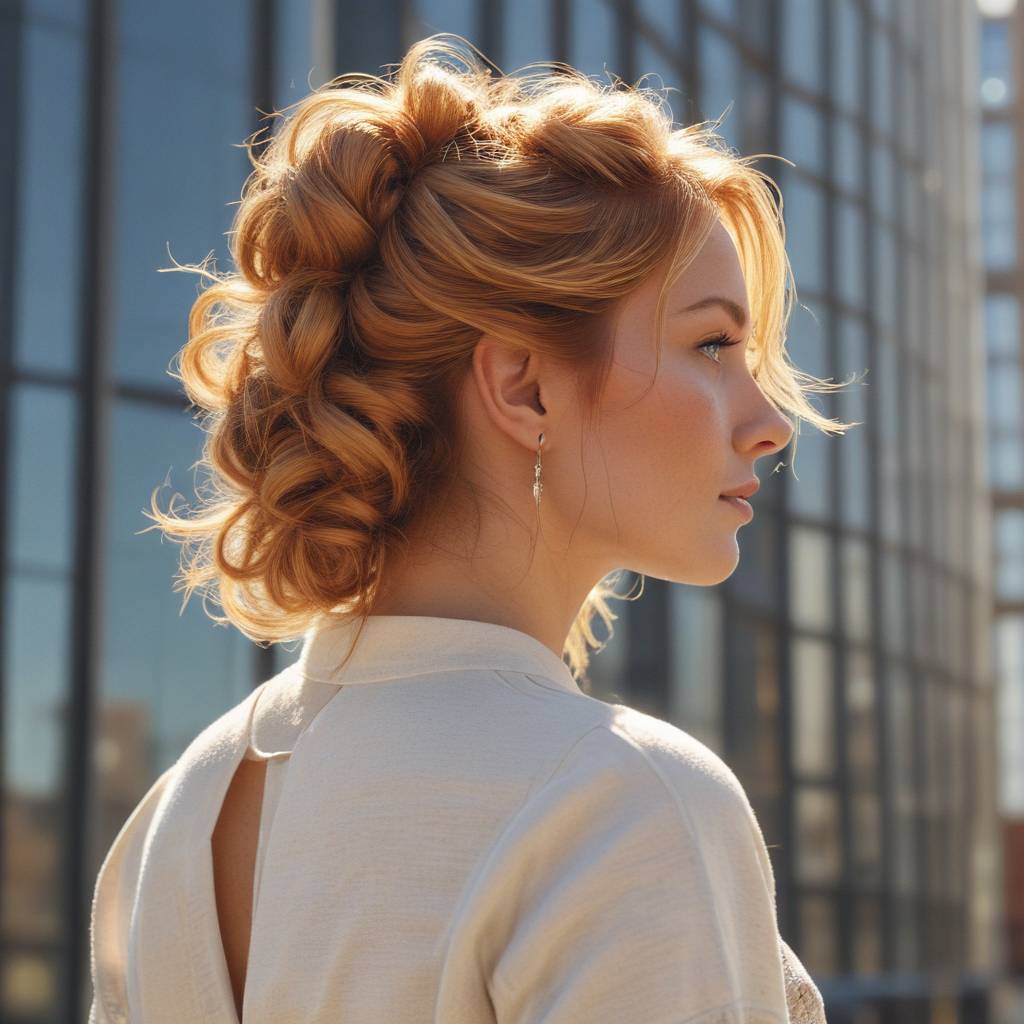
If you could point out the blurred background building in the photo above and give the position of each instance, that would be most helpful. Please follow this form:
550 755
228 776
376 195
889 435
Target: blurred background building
862 671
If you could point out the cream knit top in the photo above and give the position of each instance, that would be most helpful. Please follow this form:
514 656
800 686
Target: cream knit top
452 832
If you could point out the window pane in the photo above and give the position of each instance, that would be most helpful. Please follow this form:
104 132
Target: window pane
880 80
527 35
1004 396
856 582
998 216
802 131
803 209
719 81
42 453
867 840
867 936
1009 554
50 180
810 578
178 169
664 18
36 672
1002 326
850 254
756 579
813 708
998 158
895 600
1008 656
753 708
997 85
814 462
847 43
819 931
848 155
817 822
593 38
801 42
695 644
861 734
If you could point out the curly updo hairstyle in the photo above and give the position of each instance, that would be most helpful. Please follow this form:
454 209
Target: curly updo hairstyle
387 224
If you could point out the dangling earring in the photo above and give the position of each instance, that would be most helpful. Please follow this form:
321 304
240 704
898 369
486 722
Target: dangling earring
537 485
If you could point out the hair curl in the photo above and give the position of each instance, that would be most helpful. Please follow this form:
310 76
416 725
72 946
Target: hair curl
386 226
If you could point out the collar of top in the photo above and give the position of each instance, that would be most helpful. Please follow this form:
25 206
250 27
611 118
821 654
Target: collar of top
402 646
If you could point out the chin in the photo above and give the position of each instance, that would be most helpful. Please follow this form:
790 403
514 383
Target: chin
708 573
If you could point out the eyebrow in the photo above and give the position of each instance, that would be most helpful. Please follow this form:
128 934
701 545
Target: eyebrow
734 309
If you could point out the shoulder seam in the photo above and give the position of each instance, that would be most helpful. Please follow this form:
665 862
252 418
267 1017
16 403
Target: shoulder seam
686 820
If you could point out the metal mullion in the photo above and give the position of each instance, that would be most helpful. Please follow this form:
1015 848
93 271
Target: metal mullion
91 487
873 403
844 890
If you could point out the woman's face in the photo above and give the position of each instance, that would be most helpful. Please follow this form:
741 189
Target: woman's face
664 453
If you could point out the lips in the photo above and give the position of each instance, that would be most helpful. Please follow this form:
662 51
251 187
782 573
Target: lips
746 490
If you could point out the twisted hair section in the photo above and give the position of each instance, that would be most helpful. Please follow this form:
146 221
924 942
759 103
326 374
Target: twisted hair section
387 224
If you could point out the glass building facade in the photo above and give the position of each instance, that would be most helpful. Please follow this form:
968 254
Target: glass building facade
1001 50
845 671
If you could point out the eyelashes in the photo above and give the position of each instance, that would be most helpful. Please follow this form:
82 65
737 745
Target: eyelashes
722 340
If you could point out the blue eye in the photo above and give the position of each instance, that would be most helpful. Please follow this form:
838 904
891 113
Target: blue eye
722 341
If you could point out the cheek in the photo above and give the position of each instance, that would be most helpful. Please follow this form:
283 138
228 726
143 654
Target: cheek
670 440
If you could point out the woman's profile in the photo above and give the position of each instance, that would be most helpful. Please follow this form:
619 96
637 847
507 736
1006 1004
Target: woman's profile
491 340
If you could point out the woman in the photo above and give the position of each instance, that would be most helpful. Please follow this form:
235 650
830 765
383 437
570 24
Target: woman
491 340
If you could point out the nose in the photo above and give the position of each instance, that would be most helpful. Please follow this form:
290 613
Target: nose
767 430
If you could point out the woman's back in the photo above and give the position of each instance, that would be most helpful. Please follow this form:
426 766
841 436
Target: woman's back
450 831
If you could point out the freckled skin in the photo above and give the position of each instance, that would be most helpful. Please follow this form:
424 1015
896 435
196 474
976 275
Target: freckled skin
699 431
643 494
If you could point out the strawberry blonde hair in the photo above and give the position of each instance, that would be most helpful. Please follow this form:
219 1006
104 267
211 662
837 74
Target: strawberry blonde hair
390 222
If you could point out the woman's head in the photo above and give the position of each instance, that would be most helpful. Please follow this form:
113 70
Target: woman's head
433 269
